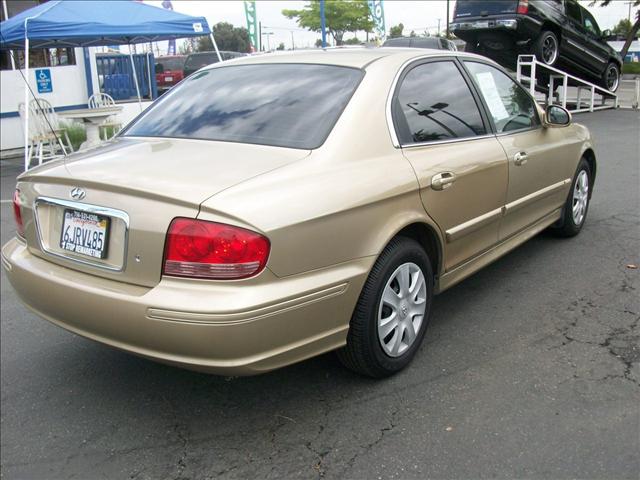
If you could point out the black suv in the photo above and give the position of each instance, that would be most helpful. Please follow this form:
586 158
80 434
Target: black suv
561 33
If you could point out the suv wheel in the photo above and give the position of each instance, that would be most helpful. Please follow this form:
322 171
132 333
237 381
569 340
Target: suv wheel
390 319
547 48
611 77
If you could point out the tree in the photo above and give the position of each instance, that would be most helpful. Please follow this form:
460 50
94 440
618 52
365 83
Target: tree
280 47
318 43
623 28
228 37
413 34
396 31
634 28
341 16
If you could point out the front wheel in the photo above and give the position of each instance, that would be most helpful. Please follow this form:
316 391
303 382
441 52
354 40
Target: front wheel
611 77
390 319
575 209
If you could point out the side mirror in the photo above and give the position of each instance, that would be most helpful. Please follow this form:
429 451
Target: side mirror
606 34
556 116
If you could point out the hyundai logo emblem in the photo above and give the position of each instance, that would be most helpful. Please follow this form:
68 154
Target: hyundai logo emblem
77 193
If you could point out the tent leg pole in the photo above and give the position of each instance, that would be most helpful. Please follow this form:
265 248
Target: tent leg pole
26 105
135 77
215 46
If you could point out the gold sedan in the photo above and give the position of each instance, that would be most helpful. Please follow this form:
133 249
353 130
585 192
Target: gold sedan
272 208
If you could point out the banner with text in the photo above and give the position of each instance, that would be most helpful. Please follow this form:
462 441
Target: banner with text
250 12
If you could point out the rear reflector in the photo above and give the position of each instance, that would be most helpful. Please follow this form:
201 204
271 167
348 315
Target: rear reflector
17 214
200 249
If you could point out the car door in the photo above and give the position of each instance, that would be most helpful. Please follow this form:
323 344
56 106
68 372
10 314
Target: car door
595 49
460 165
537 183
573 38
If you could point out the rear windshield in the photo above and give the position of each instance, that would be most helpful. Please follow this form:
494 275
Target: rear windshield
475 8
171 63
284 105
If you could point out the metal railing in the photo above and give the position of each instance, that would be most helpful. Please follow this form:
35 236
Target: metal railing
534 66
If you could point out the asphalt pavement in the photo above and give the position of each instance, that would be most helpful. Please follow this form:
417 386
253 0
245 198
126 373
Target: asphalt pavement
530 369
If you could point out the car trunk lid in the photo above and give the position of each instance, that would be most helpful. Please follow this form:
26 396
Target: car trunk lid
133 188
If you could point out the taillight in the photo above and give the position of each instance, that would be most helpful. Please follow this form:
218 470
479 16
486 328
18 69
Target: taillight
523 7
17 213
200 249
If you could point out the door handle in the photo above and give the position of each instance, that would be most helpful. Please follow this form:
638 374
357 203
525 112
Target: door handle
520 158
442 180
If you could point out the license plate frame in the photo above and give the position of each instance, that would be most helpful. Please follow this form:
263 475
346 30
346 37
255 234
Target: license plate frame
95 219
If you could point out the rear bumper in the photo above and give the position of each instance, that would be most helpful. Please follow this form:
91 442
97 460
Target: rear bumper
519 29
232 328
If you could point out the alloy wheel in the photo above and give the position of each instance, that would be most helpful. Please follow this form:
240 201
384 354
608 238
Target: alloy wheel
402 309
549 50
580 197
613 77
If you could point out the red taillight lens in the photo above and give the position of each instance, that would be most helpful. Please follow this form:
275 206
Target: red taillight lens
523 7
200 249
17 213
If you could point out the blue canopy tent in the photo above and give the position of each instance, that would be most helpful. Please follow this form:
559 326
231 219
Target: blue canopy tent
70 23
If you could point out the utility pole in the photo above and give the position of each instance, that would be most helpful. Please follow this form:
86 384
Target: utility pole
293 45
447 19
268 34
260 36
439 26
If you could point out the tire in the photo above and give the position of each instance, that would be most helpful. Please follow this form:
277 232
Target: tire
547 48
570 224
611 77
366 353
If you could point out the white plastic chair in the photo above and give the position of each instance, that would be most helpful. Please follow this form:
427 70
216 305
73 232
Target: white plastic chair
101 100
45 133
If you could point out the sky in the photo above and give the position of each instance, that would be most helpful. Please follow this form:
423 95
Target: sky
419 16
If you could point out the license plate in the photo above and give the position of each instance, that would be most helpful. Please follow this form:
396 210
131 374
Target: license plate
85 233
168 79
481 24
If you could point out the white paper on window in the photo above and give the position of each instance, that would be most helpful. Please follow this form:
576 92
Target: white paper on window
491 95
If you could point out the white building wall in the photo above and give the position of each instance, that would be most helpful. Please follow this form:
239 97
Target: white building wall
69 88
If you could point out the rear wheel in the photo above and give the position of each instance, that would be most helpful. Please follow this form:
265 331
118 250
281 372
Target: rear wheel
577 204
547 48
390 319
611 77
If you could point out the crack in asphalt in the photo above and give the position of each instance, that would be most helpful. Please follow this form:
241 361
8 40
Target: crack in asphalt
621 343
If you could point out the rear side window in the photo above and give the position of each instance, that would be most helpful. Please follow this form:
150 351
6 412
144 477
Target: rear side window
509 104
284 105
434 103
572 9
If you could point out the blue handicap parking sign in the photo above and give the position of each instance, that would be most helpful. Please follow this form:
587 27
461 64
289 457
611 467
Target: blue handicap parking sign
43 79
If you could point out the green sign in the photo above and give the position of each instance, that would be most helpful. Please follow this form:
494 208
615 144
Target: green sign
250 12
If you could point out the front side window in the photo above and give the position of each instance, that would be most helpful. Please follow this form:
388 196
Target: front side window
284 105
434 103
590 23
509 104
